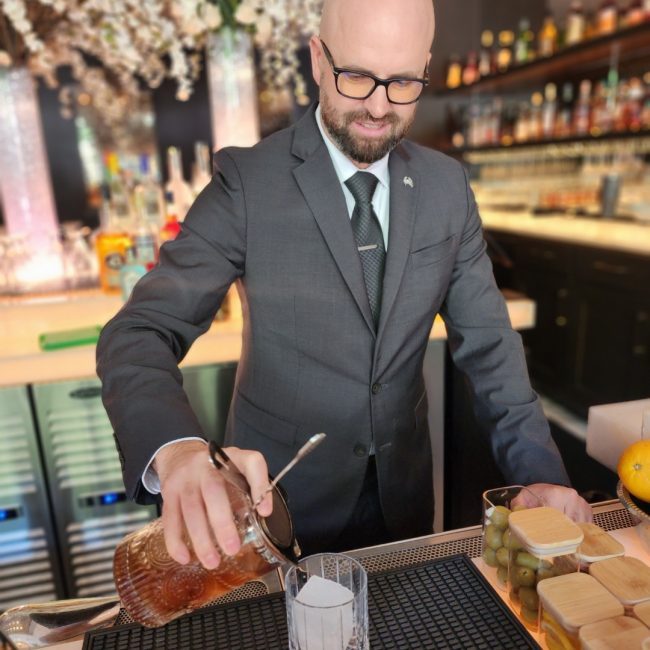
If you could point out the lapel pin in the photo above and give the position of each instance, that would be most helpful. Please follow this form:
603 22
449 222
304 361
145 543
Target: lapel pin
408 181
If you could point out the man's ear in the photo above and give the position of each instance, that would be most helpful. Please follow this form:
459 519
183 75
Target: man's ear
316 52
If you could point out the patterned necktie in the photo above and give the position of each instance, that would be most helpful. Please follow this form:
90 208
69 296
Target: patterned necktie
369 238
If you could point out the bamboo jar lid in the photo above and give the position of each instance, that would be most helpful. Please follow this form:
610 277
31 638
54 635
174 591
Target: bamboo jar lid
626 577
545 531
642 612
577 599
622 632
598 544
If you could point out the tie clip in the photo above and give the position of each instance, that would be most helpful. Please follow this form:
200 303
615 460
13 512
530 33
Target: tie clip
370 247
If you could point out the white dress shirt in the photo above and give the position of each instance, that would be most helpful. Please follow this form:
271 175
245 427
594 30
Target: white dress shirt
345 169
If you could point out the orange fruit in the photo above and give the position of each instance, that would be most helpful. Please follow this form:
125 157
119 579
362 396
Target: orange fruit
634 469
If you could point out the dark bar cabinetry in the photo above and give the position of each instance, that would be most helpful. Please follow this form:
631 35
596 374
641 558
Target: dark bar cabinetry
591 344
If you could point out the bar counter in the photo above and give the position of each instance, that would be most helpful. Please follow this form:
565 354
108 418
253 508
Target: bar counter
23 319
610 515
606 234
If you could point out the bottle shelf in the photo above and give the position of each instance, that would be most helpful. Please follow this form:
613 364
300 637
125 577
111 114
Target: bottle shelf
589 57
575 143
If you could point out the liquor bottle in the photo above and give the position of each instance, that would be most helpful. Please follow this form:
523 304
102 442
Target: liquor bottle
600 121
582 111
202 167
151 208
494 130
118 193
508 124
470 71
535 124
524 43
172 227
635 14
634 105
454 72
548 37
607 17
522 123
549 110
564 120
130 273
504 56
145 231
575 24
111 244
486 60
176 183
621 117
645 112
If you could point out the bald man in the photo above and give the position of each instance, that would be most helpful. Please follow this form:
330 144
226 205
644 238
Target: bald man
345 241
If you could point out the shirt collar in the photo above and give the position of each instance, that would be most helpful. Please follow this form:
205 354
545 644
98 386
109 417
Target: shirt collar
343 166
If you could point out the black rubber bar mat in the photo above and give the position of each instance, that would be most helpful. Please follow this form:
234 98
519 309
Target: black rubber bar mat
444 604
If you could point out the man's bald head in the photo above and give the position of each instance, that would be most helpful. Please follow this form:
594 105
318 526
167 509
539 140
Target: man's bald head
380 39
387 21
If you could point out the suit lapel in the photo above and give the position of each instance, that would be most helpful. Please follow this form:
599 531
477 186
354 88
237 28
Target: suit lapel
403 201
322 191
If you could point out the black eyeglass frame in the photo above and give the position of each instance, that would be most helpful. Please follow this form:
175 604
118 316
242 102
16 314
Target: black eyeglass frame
378 81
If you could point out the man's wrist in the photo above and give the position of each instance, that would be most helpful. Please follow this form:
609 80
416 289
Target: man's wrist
172 449
150 479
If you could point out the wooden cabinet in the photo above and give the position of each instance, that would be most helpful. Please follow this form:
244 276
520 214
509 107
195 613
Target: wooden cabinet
612 359
591 343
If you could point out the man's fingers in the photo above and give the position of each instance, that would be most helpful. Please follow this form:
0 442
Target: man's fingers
172 522
219 515
255 469
198 529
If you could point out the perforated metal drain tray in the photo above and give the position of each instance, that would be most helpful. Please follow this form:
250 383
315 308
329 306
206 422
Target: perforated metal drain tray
444 604
258 620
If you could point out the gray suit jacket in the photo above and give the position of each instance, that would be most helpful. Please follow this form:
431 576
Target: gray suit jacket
274 220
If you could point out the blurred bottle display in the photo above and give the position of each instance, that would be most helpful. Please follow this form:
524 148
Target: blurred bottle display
610 105
136 217
525 46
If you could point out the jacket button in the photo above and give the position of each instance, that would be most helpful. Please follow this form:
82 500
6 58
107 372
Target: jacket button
360 450
376 388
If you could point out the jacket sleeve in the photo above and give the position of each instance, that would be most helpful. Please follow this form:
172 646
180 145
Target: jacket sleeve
140 348
490 354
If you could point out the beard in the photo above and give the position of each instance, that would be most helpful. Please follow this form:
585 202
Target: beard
360 149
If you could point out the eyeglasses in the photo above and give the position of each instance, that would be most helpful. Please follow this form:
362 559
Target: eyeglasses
360 85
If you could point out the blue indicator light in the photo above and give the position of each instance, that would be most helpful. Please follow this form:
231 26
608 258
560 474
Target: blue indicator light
3 514
108 499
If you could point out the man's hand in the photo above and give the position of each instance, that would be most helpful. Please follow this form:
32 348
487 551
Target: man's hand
564 499
195 498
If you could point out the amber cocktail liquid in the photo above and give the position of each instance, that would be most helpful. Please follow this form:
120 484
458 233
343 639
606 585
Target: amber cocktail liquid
154 588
